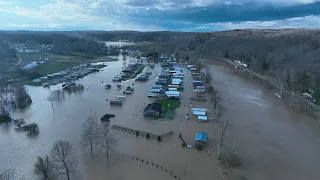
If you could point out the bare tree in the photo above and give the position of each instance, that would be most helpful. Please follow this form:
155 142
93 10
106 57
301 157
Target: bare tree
224 127
90 134
22 97
106 140
9 174
63 159
215 98
43 167
219 112
55 95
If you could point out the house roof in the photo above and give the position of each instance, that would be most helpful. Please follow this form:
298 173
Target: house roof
201 136
154 106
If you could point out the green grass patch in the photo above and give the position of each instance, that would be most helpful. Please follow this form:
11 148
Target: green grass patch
53 67
169 103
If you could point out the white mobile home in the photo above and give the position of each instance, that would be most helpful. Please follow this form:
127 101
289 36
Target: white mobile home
153 95
199 109
173 94
173 86
199 113
202 118
172 89
189 66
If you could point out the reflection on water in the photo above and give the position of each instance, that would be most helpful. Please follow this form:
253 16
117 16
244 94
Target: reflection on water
275 141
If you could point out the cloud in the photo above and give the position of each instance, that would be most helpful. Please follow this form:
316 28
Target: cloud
159 14
301 22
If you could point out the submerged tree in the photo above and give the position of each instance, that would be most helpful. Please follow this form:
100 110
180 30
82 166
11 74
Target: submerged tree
31 128
43 167
106 140
4 115
90 134
63 159
224 127
22 97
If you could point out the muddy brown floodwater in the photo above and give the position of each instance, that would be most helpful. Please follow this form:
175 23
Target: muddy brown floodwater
274 141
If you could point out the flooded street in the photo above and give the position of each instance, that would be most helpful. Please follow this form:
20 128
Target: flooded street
275 141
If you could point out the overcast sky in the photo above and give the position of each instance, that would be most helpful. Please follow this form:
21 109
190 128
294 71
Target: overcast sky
156 15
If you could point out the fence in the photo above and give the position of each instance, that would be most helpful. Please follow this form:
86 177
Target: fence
142 133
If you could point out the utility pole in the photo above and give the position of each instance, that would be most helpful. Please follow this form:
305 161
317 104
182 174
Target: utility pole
184 172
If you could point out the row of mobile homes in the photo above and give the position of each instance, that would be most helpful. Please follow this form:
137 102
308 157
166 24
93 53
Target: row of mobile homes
173 94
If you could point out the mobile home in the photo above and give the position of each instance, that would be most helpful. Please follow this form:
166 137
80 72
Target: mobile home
173 94
202 118
173 86
198 113
153 95
119 102
155 91
156 86
199 109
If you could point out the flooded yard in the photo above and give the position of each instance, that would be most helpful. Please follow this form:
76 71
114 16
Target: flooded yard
275 141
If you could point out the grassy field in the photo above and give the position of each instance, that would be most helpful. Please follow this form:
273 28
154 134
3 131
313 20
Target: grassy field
55 64
169 103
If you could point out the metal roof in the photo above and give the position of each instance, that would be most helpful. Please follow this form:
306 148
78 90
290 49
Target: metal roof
201 136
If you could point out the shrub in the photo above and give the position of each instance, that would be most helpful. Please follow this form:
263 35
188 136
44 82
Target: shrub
230 159
137 133
159 138
147 135
31 128
184 145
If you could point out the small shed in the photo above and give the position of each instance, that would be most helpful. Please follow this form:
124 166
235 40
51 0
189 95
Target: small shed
153 109
200 139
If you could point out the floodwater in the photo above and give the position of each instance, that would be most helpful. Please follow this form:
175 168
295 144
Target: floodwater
274 141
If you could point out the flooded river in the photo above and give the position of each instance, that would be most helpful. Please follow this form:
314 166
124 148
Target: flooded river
275 141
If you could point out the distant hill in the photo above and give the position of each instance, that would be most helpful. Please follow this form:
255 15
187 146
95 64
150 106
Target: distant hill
281 54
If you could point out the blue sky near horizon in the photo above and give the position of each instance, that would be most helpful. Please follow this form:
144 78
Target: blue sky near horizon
158 15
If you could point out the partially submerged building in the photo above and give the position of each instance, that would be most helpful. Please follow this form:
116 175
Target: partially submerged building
200 139
153 109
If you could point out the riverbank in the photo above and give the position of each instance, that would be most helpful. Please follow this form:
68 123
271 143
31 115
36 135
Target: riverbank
292 99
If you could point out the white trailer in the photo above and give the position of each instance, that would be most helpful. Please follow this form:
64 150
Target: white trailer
199 109
173 94
198 113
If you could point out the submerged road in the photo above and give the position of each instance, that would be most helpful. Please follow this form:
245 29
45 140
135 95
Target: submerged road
19 62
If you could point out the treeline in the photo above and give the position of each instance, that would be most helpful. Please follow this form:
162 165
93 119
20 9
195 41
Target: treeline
289 56
63 44
7 55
